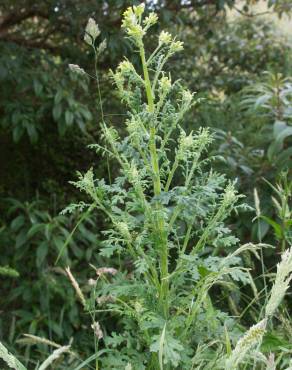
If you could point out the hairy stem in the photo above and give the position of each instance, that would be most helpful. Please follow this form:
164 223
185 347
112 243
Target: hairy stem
159 220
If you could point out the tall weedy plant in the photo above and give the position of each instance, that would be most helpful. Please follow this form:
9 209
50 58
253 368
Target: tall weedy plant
167 214
154 310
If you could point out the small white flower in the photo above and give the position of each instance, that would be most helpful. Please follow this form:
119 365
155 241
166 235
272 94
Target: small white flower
133 126
139 10
176 46
164 38
125 67
165 84
150 20
187 97
131 23
187 141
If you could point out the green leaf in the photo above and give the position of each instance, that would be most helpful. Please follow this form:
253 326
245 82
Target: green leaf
92 358
17 133
273 342
171 348
203 271
32 132
277 145
284 158
8 271
35 229
38 87
17 223
41 254
61 128
262 228
57 111
69 117
277 228
58 97
21 238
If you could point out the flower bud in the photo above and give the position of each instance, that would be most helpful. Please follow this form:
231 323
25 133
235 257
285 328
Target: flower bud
164 38
165 84
176 46
150 20
139 10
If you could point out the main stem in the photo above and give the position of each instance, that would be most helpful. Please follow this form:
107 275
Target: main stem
160 227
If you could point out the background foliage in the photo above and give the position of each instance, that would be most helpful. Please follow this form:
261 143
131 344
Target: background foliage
240 65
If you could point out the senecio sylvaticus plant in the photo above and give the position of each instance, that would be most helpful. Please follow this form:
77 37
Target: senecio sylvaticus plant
166 209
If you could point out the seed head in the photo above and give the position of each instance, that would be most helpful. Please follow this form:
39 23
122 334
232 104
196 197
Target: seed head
251 339
97 330
75 286
76 69
282 281
91 31
102 46
106 270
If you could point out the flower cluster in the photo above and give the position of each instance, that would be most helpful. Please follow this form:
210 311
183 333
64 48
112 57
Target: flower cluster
132 23
164 38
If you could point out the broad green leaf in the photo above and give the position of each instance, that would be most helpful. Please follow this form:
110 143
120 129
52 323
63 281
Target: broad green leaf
69 117
57 111
41 254
277 228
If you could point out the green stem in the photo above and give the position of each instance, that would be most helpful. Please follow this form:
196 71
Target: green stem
187 238
160 224
147 81
171 174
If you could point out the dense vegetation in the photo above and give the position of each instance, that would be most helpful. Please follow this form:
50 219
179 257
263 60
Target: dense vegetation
180 126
